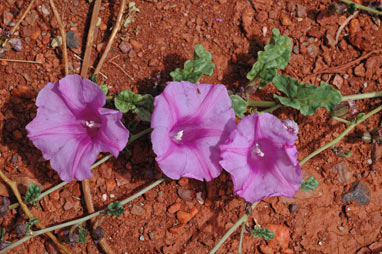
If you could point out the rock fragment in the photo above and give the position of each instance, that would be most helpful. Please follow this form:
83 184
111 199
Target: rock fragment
72 40
358 192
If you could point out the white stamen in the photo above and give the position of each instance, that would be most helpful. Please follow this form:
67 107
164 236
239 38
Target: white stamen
90 124
258 150
178 136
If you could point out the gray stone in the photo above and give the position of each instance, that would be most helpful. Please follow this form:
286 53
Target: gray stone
358 192
72 40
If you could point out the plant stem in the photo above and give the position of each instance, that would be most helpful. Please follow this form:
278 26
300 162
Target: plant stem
80 220
343 134
241 237
362 96
62 184
139 134
253 103
271 109
362 7
240 221
339 119
13 185
265 104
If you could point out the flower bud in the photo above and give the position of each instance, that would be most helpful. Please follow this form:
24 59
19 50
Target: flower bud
366 137
340 110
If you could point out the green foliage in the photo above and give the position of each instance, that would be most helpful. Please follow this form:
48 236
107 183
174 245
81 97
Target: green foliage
142 105
239 105
195 68
263 233
275 56
309 184
115 209
33 193
358 118
103 86
32 221
306 98
82 235
2 234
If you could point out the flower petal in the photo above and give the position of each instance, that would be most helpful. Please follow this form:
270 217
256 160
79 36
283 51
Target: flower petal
113 134
189 122
261 159
80 93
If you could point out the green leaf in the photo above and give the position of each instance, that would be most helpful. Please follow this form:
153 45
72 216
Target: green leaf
115 209
82 235
239 105
306 98
33 193
195 68
263 233
32 221
104 88
142 105
275 56
2 234
309 184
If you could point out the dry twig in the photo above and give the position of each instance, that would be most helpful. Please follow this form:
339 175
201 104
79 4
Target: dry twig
63 34
19 61
112 36
342 26
344 67
121 69
90 38
13 185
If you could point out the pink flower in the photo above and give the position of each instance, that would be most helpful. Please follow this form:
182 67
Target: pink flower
189 122
71 127
261 156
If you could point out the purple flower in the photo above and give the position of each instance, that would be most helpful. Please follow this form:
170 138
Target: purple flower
189 122
71 127
261 156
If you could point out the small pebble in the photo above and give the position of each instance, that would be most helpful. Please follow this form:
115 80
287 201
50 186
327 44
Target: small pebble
185 194
104 197
141 238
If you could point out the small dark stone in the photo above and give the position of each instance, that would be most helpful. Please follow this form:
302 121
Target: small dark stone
20 229
98 234
72 40
358 192
292 207
4 207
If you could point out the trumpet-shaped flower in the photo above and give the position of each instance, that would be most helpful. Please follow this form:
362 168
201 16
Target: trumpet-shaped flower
189 122
261 156
71 128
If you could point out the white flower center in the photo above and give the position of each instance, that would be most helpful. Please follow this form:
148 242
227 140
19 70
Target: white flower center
92 124
258 150
178 136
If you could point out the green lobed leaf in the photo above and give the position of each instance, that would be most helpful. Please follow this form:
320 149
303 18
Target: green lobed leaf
309 184
307 99
115 209
142 105
82 235
33 193
264 233
195 68
239 105
275 56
